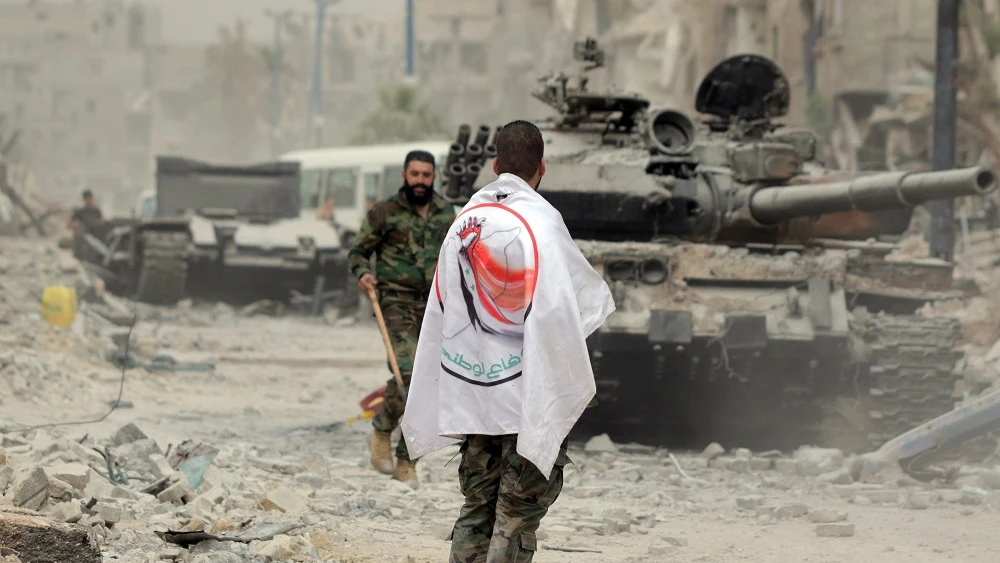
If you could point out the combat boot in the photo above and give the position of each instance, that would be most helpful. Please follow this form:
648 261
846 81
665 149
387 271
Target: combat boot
378 447
406 470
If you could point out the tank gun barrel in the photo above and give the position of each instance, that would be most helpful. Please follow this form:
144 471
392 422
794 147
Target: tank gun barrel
875 192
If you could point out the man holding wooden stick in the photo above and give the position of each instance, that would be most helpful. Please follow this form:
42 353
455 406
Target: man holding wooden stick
405 233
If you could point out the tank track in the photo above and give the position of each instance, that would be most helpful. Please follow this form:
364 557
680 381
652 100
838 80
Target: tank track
913 372
163 274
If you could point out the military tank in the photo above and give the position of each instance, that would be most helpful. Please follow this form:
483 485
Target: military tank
758 302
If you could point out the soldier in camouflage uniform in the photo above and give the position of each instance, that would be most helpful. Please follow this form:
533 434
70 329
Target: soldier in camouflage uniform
405 232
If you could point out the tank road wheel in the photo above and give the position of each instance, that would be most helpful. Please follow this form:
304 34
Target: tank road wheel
163 269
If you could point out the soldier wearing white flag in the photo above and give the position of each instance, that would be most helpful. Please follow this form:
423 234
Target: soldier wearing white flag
502 365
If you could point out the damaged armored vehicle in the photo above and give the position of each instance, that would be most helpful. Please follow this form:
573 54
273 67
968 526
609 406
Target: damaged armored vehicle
230 232
756 303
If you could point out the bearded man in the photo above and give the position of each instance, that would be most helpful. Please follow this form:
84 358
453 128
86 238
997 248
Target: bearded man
405 233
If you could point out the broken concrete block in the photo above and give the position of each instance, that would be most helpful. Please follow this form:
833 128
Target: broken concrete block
29 490
59 490
176 492
789 511
158 466
826 516
918 501
283 548
786 466
285 500
98 486
35 537
838 477
750 502
79 452
973 495
761 464
69 512
277 466
835 530
76 474
813 461
713 451
6 476
128 434
742 453
600 444
110 513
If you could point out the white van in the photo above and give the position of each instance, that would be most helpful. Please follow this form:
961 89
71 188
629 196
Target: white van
357 176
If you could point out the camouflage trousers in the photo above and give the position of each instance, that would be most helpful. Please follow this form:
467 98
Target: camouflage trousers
402 320
505 500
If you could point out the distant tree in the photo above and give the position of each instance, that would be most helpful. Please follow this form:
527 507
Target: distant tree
400 116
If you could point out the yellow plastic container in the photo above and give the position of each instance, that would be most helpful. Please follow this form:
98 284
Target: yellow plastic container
59 305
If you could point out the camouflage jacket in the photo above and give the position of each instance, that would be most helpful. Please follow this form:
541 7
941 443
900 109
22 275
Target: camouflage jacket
406 245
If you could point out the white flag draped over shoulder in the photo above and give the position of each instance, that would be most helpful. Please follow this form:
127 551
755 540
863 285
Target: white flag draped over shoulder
502 346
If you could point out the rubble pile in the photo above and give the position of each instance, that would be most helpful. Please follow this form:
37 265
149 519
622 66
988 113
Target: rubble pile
302 503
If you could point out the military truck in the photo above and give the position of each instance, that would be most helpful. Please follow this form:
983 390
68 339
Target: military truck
758 299
230 232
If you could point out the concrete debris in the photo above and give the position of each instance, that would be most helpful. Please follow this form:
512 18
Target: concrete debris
76 474
813 461
713 451
128 434
835 530
286 500
69 512
283 548
158 466
600 444
826 516
29 490
176 492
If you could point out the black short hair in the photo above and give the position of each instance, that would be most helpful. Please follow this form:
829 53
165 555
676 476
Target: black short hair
419 156
87 194
520 148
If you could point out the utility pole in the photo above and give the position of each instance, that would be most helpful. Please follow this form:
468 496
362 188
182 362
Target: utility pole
409 39
278 64
316 97
942 228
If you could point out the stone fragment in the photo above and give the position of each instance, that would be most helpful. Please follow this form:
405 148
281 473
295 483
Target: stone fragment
97 486
76 474
6 476
285 500
660 550
918 501
880 496
713 451
835 530
786 466
813 461
600 444
59 490
750 502
170 554
951 496
110 513
742 453
176 492
761 463
826 516
283 548
973 495
128 434
29 489
838 477
158 466
69 512
792 510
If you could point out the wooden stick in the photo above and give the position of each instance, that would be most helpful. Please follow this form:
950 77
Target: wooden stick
388 344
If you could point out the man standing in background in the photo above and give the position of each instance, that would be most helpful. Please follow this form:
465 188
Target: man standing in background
405 233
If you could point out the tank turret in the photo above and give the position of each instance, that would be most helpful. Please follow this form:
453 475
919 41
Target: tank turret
758 300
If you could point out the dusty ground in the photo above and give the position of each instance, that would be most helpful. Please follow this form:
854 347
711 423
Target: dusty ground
280 383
